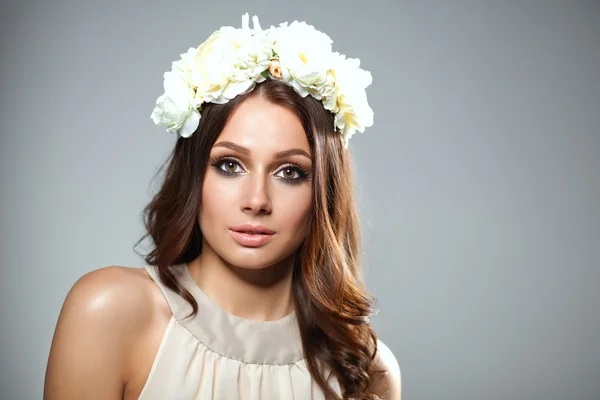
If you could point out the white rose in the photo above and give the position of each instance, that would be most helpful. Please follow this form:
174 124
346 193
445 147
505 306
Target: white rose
254 52
213 65
229 63
329 95
174 108
305 53
186 63
253 57
354 113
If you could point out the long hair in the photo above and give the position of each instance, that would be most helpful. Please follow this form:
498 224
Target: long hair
333 308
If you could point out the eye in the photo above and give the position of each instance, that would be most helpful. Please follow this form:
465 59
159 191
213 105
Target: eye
293 174
226 166
230 166
289 172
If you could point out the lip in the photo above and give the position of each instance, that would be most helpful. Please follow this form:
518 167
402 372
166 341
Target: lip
251 239
253 229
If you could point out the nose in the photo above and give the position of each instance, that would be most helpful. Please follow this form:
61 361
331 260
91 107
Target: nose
256 197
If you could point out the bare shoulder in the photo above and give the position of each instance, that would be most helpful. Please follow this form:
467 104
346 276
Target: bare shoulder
112 296
98 322
388 385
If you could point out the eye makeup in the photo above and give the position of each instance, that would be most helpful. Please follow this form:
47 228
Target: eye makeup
302 173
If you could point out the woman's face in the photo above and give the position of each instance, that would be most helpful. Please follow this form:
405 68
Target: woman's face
246 182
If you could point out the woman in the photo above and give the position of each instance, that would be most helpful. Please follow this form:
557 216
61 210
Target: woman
253 289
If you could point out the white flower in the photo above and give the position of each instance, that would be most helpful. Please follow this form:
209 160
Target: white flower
253 57
354 113
174 108
255 51
305 53
229 63
213 66
329 94
186 63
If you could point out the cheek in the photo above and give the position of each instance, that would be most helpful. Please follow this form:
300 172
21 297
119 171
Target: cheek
217 197
297 209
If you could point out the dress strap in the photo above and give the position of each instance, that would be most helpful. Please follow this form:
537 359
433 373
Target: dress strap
250 341
178 306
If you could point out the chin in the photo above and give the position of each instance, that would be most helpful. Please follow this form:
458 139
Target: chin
255 258
247 260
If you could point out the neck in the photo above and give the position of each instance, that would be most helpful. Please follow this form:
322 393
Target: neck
263 294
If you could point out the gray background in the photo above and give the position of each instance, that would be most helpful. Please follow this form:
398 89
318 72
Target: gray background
478 185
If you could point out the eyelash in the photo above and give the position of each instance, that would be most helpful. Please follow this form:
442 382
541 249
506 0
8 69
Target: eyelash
303 174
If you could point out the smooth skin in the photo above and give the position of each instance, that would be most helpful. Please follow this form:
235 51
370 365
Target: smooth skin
114 318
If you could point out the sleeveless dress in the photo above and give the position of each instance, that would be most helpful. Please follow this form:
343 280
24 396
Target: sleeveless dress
218 355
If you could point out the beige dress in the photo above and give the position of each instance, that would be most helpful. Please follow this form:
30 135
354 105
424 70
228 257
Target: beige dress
217 355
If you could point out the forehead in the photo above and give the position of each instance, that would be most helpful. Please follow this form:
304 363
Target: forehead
262 125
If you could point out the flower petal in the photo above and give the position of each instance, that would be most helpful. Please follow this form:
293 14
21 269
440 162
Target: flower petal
191 124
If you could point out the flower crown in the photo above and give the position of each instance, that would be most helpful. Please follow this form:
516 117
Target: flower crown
231 61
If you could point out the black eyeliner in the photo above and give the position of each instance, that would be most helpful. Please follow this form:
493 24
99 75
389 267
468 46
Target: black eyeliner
302 173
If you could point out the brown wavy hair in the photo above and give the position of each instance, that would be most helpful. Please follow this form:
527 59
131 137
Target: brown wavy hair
332 305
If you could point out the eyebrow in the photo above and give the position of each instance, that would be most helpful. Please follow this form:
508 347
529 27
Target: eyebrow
245 151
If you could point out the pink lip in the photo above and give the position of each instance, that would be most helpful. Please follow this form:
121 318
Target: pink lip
247 228
251 239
